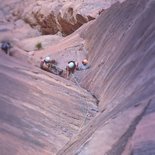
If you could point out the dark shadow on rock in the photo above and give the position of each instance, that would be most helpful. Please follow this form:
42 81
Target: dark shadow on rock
144 148
151 108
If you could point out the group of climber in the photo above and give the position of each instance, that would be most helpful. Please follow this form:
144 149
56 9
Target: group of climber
51 66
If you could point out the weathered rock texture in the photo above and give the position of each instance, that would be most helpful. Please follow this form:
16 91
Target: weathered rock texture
51 17
43 114
29 18
30 44
39 112
121 53
10 22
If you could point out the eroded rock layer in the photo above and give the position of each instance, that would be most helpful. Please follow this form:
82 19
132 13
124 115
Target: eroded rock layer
39 112
44 114
121 53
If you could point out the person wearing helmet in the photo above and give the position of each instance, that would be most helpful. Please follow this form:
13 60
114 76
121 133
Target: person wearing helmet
84 65
70 68
50 65
45 63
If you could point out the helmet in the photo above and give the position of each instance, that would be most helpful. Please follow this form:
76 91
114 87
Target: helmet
85 61
71 64
47 59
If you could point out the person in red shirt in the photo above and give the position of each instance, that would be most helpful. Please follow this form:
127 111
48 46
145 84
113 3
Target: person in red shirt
70 68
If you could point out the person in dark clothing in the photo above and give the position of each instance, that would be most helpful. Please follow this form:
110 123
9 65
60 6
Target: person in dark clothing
5 46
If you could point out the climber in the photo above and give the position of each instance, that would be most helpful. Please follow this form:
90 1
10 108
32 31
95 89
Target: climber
5 46
50 65
84 65
70 68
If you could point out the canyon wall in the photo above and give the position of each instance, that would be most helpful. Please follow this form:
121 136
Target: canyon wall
121 53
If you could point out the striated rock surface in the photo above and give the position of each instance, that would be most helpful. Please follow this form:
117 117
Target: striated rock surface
143 140
44 114
121 54
39 112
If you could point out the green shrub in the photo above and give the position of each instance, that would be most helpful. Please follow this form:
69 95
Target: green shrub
39 46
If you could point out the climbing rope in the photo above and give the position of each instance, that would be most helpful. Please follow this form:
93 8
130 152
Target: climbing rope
86 105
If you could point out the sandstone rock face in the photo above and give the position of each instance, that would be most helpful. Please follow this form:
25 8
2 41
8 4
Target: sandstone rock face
30 44
53 17
12 24
64 16
121 54
39 112
49 17
143 140
44 114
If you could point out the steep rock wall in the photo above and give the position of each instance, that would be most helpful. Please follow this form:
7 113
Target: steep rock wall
51 17
121 51
39 112
121 54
